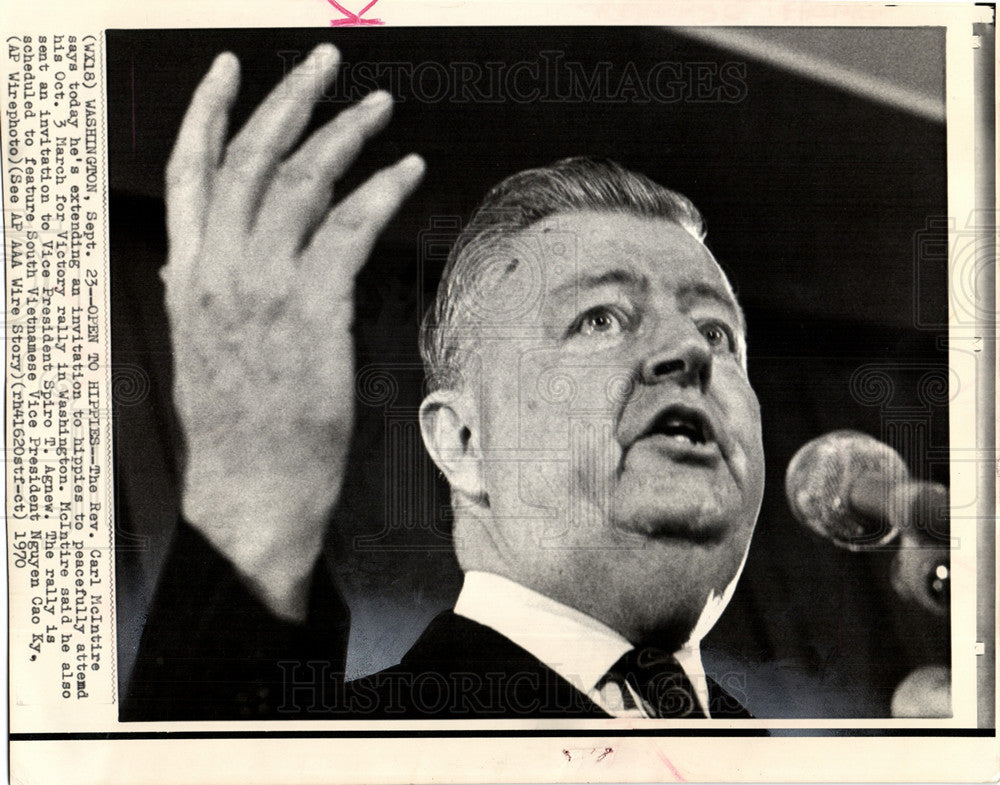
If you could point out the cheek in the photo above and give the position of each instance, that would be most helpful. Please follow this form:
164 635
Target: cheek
749 462
555 436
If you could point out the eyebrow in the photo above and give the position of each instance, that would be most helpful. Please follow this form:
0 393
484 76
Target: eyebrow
620 276
694 290
699 290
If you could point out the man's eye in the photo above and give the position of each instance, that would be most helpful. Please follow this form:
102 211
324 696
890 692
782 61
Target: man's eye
719 336
600 321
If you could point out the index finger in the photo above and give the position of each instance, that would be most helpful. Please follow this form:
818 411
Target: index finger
272 130
196 154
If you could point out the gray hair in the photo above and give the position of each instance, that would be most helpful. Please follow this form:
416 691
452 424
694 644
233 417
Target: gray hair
569 185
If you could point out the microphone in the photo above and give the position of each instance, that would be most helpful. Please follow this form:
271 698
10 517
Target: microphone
841 485
921 571
856 492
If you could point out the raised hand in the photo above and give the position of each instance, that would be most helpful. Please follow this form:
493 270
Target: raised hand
259 292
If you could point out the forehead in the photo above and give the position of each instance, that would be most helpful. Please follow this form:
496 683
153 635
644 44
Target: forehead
568 251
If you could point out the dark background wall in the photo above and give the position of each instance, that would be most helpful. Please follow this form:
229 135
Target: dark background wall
824 207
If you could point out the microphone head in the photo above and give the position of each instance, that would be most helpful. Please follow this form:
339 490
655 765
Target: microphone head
921 571
841 486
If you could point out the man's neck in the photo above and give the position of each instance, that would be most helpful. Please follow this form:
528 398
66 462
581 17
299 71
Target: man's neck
577 646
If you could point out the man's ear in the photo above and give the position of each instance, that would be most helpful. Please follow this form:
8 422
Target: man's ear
451 436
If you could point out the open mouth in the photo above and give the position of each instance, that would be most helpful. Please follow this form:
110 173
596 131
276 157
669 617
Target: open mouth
683 424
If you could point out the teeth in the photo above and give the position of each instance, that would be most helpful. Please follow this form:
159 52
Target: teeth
678 426
681 425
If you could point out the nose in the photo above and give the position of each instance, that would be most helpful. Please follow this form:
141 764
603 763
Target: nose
685 359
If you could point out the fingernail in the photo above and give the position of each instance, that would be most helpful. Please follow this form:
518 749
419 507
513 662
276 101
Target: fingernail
323 52
376 98
413 163
223 64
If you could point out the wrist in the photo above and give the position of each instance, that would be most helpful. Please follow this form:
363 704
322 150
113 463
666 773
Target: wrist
269 525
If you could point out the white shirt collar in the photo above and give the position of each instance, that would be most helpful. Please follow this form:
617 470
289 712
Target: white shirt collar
576 646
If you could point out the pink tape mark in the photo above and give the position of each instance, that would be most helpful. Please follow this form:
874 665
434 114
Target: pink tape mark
669 765
350 18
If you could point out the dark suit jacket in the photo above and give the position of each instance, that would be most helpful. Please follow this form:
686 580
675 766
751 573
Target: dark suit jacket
461 669
211 651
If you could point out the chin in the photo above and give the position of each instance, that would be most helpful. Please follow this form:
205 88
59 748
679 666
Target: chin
678 504
698 521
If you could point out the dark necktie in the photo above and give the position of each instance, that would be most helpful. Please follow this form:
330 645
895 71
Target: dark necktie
656 675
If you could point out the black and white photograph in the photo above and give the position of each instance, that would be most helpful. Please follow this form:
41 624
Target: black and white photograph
482 392
534 373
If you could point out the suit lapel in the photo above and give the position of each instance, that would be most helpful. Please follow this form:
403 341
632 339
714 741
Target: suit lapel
496 674
722 705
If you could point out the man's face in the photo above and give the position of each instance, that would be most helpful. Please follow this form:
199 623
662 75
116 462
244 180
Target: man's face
621 439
